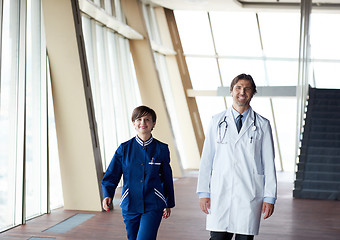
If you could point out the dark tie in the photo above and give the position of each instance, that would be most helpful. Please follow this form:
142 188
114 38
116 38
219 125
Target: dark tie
239 122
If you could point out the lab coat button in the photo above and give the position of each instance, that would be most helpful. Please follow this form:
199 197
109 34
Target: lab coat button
141 181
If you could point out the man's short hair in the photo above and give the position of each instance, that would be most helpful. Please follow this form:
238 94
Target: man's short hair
246 77
142 111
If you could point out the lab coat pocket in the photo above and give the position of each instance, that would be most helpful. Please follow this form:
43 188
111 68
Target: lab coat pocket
256 150
254 140
258 184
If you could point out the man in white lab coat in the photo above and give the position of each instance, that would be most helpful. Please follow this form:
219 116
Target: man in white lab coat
237 177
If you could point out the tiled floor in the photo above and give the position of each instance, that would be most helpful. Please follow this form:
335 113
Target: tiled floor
294 219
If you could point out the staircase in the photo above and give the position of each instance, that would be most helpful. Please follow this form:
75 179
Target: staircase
318 175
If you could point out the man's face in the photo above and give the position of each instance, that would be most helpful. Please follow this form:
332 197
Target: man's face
242 93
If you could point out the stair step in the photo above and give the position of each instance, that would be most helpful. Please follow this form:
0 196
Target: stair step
324 129
319 176
316 194
324 121
325 91
327 152
323 107
330 99
322 113
317 185
323 143
325 136
321 159
321 167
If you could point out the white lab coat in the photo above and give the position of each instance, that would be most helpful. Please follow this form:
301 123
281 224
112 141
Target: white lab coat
238 173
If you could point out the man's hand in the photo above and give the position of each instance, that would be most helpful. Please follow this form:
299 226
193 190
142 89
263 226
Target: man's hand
267 209
106 203
205 204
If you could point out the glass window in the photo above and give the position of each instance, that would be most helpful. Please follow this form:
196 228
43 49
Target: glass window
101 96
113 85
235 34
161 65
128 80
325 49
23 114
275 29
97 2
36 128
203 73
325 74
118 11
9 114
56 193
195 33
148 21
281 73
207 107
107 6
325 40
170 104
237 40
120 125
285 124
230 68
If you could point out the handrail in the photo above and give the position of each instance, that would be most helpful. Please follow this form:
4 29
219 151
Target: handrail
303 72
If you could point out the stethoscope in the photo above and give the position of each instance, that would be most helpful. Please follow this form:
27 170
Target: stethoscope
224 122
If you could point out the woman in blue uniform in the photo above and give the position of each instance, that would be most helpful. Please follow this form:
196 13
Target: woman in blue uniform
148 192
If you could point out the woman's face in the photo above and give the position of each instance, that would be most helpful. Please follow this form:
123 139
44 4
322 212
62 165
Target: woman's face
144 125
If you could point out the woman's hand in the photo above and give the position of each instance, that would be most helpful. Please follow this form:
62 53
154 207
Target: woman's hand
106 203
166 213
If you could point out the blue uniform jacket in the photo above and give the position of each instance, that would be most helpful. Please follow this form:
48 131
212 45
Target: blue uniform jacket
147 176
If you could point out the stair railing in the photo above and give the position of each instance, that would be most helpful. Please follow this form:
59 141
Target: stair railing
303 73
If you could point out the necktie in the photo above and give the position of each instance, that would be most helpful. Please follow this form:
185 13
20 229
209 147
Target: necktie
239 122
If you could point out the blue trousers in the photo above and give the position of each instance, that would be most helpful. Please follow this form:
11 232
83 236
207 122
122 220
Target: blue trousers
142 226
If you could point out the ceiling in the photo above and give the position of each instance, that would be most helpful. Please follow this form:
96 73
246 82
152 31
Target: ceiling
227 5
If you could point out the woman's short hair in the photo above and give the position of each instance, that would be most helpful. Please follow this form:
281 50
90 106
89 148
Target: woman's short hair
142 111
246 77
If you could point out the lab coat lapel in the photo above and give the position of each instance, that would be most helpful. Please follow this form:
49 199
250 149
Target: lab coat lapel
247 124
232 126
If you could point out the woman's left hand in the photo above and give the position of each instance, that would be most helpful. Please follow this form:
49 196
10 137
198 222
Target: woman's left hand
166 213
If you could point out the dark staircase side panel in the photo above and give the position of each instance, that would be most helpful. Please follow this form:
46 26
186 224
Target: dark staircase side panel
318 175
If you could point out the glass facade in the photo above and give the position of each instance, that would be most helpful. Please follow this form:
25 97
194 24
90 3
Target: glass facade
325 50
26 126
9 107
55 193
217 48
30 182
162 69
114 87
36 115
265 45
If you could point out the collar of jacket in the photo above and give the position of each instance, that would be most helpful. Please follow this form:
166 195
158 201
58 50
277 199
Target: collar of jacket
142 143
